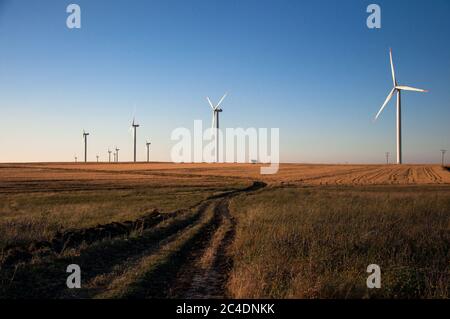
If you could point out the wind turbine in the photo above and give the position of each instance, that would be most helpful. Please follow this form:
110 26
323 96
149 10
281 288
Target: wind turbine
109 155
85 135
134 126
117 154
97 158
215 123
148 150
397 89
76 158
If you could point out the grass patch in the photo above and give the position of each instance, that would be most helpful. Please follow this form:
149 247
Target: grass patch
317 242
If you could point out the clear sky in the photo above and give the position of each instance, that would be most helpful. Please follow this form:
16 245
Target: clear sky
311 68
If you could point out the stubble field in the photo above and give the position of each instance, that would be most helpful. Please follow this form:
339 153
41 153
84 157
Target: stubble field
223 230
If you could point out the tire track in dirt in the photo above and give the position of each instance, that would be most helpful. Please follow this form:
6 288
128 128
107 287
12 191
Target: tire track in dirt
184 255
96 260
196 266
205 273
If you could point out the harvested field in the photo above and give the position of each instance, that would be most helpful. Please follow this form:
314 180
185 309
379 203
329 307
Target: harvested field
162 230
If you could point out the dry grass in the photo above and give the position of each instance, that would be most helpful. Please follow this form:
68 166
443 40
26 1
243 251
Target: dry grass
318 242
36 201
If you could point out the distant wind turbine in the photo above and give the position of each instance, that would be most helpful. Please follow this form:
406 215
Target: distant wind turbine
215 123
148 150
117 154
85 135
397 89
109 155
134 126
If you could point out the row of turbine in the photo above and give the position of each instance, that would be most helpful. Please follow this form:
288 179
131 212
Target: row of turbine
215 126
134 126
216 110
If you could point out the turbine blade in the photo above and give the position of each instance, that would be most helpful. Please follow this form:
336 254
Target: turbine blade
213 120
210 104
221 100
385 102
409 88
392 68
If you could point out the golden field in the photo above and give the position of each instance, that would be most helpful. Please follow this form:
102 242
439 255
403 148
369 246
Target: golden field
166 230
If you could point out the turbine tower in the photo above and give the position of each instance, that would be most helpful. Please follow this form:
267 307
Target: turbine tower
215 123
134 126
97 158
76 159
85 135
117 154
397 89
148 150
109 155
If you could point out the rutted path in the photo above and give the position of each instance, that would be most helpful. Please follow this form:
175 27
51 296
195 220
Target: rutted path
183 254
205 273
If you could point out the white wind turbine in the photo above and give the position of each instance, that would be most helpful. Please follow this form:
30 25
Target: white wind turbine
133 127
397 89
215 123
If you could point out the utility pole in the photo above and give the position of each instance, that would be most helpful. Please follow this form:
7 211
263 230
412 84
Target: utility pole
387 157
148 151
443 155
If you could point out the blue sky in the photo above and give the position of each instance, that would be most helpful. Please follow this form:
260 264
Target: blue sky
311 68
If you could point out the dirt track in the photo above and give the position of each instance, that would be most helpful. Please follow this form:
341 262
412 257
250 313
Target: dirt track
183 254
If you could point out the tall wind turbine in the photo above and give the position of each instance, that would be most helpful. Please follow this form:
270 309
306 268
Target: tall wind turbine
109 155
134 126
85 135
148 150
397 89
215 123
117 154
